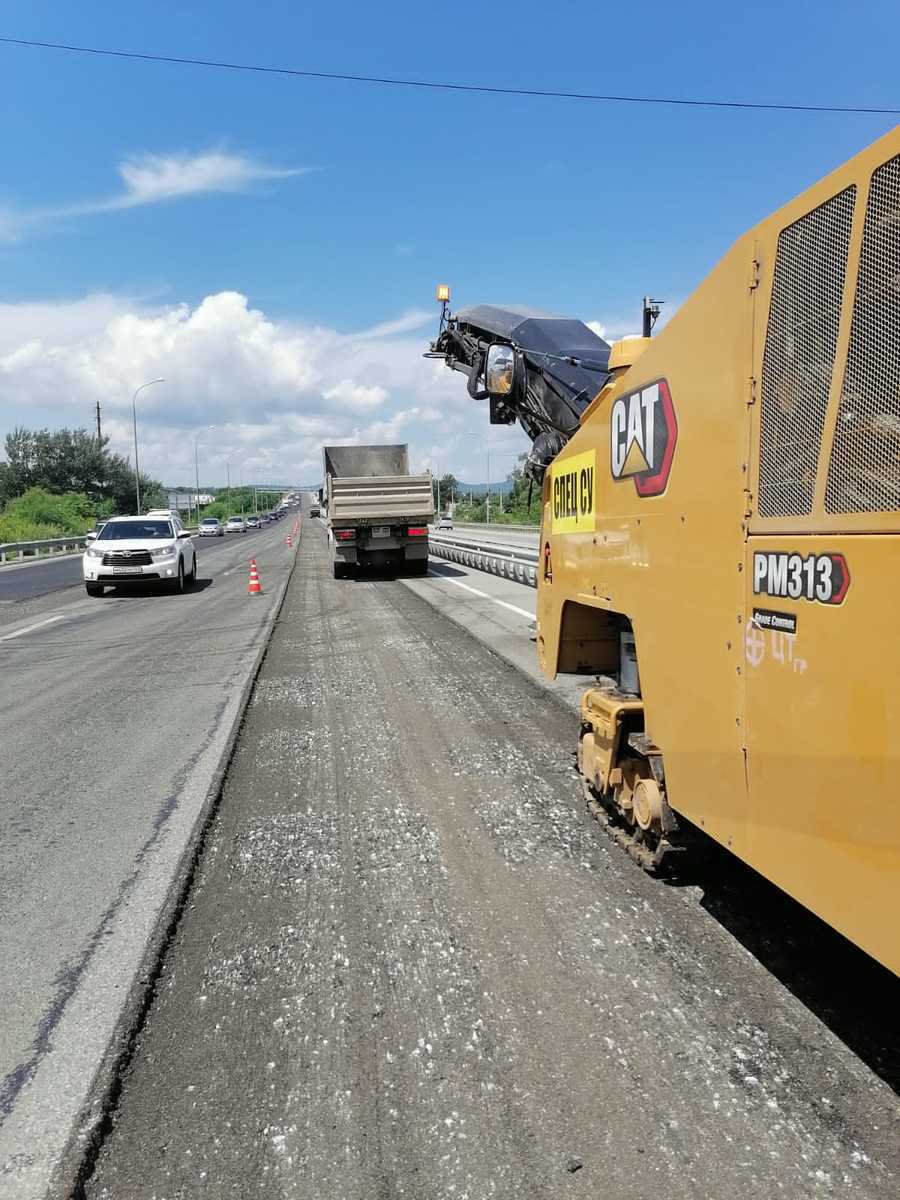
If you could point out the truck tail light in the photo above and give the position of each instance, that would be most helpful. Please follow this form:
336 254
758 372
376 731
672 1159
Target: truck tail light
343 534
417 531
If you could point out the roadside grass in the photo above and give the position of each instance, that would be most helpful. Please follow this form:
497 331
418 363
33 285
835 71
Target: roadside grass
38 514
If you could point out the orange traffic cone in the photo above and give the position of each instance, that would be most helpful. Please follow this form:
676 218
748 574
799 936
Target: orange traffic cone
290 541
254 587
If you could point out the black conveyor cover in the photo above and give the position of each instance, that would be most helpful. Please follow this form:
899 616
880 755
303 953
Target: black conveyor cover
564 366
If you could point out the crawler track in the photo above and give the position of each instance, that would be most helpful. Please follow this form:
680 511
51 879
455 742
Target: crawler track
649 856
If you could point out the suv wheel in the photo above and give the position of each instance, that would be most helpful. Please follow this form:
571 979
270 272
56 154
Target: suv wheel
177 584
192 578
94 589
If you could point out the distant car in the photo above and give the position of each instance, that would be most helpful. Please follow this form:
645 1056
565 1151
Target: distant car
235 525
315 511
253 523
94 531
139 550
171 513
445 523
211 527
265 518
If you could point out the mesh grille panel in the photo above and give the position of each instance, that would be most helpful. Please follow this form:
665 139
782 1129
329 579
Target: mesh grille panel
799 355
864 473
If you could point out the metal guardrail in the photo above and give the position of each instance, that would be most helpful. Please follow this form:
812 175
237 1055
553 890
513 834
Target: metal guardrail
51 545
519 563
497 525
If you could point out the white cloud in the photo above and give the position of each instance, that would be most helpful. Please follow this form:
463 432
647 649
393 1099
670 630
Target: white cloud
274 390
151 179
356 396
415 318
613 329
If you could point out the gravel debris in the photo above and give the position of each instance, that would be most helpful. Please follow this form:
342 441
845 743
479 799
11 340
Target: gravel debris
413 967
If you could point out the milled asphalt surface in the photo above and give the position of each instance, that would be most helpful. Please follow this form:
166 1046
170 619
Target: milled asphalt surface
411 966
112 720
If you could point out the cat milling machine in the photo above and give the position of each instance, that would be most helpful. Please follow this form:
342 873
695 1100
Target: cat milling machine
720 547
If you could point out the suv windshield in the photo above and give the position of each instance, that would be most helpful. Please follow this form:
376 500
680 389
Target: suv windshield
117 531
210 521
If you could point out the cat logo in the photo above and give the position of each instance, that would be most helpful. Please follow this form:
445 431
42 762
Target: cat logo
643 433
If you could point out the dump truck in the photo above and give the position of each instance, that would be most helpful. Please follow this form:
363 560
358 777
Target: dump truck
719 540
377 513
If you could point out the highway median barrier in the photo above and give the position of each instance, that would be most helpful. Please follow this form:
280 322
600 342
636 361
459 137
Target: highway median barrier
518 563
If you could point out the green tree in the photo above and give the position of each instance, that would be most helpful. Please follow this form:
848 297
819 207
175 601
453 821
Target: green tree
516 509
450 489
66 461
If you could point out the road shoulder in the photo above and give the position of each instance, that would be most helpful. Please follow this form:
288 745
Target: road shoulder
74 1090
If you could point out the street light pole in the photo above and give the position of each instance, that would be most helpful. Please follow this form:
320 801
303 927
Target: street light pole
137 469
197 465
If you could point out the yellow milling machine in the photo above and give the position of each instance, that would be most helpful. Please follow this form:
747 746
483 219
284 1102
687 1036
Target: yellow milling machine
720 547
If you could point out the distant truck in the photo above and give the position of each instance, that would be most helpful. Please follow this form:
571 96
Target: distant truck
377 513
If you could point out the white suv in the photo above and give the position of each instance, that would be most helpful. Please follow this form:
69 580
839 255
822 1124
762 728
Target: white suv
138 550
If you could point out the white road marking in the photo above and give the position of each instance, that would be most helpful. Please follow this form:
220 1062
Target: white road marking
483 595
8 637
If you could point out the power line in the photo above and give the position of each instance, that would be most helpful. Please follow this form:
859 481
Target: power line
438 85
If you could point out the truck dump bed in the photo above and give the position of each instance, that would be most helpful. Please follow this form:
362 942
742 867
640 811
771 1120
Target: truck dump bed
366 460
372 485
379 498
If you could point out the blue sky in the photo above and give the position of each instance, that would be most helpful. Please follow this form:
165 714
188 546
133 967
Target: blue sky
568 206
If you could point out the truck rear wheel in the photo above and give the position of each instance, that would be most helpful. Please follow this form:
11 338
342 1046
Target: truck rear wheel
418 566
339 570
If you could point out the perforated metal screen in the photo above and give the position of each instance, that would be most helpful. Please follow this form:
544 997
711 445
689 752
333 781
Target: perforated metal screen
864 472
798 359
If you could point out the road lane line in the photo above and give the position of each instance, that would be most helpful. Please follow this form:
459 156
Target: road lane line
483 595
8 637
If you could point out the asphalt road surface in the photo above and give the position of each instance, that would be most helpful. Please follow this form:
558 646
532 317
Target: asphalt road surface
28 580
113 717
411 966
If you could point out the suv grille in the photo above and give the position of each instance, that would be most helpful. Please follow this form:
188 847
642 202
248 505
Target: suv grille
133 558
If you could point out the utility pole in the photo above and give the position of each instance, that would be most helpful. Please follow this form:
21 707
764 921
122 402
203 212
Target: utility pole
99 434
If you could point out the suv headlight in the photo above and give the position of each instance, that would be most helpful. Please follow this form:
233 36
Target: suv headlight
93 552
163 552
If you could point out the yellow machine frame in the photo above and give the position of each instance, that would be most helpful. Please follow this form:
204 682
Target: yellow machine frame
701 506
